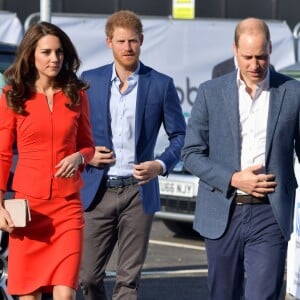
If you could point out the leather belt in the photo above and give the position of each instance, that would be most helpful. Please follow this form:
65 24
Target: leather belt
248 199
119 182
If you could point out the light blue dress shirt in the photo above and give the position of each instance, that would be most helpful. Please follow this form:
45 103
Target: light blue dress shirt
122 115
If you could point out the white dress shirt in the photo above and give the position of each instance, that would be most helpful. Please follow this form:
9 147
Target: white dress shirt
253 113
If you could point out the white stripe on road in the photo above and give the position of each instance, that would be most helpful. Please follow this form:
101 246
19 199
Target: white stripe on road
175 272
161 273
110 274
178 245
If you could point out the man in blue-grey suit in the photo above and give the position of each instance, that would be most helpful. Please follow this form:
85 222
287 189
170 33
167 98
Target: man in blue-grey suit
128 102
241 139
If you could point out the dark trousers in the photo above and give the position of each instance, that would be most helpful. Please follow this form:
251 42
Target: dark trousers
252 247
118 216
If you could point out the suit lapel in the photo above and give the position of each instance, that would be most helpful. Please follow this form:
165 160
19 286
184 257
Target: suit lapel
275 104
107 117
103 100
142 98
230 93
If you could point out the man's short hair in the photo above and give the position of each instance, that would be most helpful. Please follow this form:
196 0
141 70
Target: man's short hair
255 26
124 19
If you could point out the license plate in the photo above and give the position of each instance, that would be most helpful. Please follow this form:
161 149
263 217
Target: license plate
176 188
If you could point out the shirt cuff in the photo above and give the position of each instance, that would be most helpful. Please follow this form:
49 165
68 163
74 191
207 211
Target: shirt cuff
163 166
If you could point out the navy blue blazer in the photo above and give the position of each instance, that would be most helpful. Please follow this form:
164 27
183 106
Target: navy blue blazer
212 149
157 104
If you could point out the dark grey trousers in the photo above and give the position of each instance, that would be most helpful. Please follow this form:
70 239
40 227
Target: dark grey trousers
118 216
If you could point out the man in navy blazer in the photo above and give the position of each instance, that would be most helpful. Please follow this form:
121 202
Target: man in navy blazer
128 103
241 139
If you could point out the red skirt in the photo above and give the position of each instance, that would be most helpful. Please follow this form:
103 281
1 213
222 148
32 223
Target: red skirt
48 251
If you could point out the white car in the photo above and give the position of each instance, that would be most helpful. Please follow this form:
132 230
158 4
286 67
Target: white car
178 193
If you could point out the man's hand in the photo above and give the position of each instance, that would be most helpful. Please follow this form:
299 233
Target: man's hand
253 183
102 156
147 170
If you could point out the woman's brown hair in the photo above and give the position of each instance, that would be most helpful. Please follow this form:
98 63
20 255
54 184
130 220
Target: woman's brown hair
22 74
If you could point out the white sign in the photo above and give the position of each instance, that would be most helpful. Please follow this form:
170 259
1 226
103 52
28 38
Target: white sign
11 29
186 50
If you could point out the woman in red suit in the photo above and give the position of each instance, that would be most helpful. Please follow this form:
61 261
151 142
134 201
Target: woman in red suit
45 111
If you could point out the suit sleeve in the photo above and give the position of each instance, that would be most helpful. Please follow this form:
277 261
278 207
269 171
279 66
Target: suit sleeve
85 144
174 125
7 129
196 151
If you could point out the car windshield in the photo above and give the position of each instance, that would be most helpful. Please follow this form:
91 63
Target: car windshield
5 61
7 55
292 71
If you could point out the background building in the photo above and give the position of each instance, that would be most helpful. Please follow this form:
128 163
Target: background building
266 9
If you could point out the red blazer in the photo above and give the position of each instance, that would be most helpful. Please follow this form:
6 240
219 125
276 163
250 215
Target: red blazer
43 139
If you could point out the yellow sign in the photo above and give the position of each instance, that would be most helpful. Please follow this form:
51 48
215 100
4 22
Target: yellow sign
183 9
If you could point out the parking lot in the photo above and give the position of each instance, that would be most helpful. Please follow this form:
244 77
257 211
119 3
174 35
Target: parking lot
175 268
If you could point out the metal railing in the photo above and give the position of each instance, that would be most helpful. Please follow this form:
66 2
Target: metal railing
296 34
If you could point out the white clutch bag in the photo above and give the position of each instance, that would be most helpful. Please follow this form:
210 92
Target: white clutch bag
19 211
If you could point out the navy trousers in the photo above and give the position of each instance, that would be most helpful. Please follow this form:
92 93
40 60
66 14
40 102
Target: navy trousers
252 248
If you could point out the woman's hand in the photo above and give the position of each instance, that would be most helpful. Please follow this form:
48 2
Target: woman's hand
6 223
68 166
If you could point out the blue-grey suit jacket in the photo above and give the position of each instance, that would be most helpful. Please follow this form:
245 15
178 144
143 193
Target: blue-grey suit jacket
212 149
157 104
